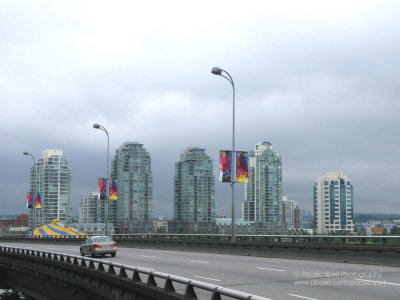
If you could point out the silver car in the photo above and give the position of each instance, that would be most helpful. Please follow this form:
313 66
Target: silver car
98 245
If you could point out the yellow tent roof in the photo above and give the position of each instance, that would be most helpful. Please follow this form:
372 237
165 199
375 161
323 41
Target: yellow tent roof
55 228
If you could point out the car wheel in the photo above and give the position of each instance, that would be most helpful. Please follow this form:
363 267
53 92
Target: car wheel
113 254
82 252
91 253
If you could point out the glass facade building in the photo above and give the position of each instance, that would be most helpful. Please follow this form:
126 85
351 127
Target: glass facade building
91 209
333 203
263 193
132 212
51 176
194 192
291 214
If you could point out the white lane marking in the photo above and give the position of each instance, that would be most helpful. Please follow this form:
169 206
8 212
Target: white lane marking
380 282
148 269
213 279
148 256
302 297
199 261
271 269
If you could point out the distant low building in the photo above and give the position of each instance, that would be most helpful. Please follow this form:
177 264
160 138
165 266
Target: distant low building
375 230
19 230
372 227
161 225
224 226
15 226
94 228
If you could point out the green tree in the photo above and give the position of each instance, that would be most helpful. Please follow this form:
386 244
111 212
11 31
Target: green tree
395 231
312 225
160 230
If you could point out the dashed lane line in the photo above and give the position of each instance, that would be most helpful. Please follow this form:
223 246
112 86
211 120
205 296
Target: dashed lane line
278 270
199 261
213 279
302 297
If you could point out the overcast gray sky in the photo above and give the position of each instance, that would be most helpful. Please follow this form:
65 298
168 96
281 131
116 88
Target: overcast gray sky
317 79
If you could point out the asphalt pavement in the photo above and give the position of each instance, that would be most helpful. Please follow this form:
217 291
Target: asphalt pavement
268 277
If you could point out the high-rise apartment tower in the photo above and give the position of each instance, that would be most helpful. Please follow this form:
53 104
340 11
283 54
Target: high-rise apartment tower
194 192
263 193
291 214
51 177
333 203
132 212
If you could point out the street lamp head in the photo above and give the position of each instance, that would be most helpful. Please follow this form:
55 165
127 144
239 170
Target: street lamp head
216 71
25 153
97 126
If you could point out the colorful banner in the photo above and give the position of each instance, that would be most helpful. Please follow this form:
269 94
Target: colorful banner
242 170
225 162
29 203
101 188
38 201
113 190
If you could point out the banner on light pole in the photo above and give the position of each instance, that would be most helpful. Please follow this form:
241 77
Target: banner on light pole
225 169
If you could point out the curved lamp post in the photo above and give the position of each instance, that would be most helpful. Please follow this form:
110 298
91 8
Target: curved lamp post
33 188
219 71
97 126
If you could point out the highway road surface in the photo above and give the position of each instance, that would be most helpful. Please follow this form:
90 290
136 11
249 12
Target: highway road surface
268 277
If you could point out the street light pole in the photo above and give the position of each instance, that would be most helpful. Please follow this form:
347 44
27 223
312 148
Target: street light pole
219 71
33 188
97 126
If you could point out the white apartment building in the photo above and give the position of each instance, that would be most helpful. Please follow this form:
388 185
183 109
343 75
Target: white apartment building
51 177
333 203
91 209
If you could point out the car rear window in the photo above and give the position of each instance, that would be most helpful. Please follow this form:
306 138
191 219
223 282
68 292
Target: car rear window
102 239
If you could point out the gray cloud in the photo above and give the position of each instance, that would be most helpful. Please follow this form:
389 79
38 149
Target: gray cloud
320 82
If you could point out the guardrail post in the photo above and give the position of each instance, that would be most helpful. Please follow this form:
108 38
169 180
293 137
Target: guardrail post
136 276
83 263
189 292
111 270
169 287
91 265
122 273
151 281
100 267
216 295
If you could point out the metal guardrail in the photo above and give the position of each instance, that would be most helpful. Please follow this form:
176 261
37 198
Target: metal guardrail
304 239
126 274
